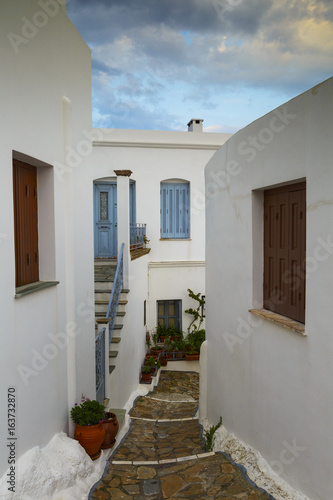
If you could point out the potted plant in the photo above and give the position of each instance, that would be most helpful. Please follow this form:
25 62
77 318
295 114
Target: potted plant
179 348
156 349
146 373
191 351
111 426
163 359
161 331
148 341
89 430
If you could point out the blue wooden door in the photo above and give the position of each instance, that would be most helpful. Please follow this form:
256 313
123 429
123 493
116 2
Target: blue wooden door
105 207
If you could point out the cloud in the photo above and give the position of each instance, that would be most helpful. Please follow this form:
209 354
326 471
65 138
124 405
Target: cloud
182 55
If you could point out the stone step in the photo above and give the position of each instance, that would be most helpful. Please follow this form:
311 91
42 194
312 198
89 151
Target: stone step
102 301
101 310
115 340
104 286
105 294
105 262
120 414
116 327
101 314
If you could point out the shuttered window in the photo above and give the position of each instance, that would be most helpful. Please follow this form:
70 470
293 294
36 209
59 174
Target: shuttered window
284 250
175 210
169 313
26 223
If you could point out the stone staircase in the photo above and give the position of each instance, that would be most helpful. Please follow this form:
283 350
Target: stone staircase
104 275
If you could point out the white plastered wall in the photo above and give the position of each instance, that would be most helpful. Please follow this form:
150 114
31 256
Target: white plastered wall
50 63
273 387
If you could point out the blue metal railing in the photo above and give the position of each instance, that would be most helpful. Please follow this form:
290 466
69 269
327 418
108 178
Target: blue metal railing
115 293
100 365
137 236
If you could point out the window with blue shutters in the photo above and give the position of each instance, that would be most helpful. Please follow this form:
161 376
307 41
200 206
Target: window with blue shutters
169 313
175 210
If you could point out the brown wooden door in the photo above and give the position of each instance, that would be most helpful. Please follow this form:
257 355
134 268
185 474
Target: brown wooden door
26 223
284 251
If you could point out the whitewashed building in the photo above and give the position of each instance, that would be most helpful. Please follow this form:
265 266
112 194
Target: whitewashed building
164 179
46 293
269 292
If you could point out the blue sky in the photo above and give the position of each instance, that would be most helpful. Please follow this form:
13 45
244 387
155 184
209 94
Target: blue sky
158 63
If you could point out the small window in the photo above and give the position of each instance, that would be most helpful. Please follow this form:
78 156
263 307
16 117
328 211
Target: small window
169 313
175 210
284 250
26 223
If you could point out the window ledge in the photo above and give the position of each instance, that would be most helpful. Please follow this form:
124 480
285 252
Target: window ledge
278 319
175 239
21 291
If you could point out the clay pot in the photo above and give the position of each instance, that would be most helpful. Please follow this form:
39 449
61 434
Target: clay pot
192 357
90 438
111 426
164 360
146 377
156 352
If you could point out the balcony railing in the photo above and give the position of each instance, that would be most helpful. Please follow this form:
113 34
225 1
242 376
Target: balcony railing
138 237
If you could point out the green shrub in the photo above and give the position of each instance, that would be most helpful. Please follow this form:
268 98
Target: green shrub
89 412
209 435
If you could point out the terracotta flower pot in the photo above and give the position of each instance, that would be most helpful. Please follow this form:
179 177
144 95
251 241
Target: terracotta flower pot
90 438
155 352
146 377
111 426
192 357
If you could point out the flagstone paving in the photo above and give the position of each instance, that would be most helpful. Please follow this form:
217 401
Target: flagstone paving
163 456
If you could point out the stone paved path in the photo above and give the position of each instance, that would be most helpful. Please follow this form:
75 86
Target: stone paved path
163 457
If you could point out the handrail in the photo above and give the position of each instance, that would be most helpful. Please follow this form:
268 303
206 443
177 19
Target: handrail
100 364
115 293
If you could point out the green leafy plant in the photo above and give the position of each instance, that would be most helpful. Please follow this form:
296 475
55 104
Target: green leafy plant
148 340
89 412
197 320
150 361
196 338
146 369
209 435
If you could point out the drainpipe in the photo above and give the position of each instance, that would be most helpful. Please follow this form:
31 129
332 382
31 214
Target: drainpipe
123 219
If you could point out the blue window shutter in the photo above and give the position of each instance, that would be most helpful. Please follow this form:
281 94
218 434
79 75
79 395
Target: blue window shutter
175 210
182 210
164 211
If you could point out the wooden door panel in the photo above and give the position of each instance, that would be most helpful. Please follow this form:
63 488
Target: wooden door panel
26 223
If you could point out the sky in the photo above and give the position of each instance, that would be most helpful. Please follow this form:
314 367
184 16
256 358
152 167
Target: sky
156 64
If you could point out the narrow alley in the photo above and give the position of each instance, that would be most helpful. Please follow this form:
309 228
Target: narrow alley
163 455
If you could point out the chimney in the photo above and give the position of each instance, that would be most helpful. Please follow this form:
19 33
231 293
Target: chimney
195 125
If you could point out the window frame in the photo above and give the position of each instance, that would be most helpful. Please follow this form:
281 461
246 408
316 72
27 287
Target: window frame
166 316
